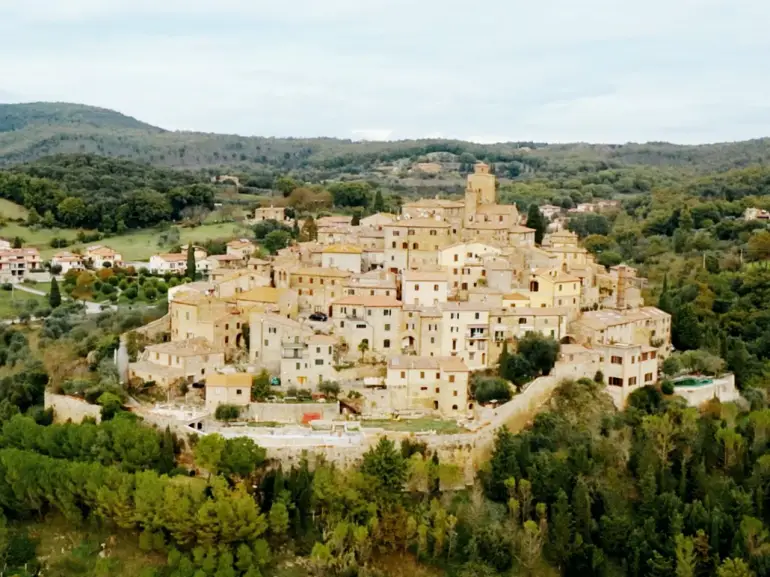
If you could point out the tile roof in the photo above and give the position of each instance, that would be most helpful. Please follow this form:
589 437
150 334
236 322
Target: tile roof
188 347
368 301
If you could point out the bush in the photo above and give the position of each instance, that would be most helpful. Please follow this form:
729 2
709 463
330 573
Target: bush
6 286
492 389
227 413
667 387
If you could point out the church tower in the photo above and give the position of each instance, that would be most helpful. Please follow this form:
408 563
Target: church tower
483 183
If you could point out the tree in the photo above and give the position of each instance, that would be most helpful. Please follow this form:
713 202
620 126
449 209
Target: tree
356 220
111 405
734 568
357 193
759 246
379 203
190 271
309 230
241 456
387 468
276 240
560 533
685 220
208 452
54 297
285 185
363 346
671 366
227 412
330 389
541 352
260 386
536 220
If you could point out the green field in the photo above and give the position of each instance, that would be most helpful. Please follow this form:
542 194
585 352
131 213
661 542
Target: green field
11 302
10 209
139 245
415 425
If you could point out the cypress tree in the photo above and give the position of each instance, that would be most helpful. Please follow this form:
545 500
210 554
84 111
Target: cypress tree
190 272
379 202
536 220
54 297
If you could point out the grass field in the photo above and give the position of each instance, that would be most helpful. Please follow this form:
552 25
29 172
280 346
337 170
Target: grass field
133 246
74 551
11 302
10 209
415 425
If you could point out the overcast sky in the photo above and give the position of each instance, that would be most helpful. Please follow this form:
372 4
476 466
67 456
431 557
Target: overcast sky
684 71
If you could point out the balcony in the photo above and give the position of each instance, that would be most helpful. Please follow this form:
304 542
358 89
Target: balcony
476 332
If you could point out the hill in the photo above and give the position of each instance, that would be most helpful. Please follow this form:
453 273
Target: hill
31 131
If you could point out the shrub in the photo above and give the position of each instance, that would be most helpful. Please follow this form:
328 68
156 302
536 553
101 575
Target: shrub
227 413
667 387
492 389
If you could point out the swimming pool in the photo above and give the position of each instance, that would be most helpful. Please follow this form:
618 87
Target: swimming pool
693 381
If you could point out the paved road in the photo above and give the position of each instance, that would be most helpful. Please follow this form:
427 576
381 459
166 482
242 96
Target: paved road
91 307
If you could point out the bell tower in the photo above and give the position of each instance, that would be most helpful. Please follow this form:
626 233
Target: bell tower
483 182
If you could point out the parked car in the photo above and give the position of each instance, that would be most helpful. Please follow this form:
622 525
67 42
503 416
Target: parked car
320 317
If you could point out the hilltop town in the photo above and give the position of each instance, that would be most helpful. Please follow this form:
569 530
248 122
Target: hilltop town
402 309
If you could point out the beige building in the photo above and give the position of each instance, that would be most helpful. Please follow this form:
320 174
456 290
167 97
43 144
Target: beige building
424 288
342 257
281 301
196 315
431 383
378 283
166 364
241 247
103 256
414 243
316 287
642 326
627 367
228 389
555 288
17 263
373 320
465 332
308 362
268 333
277 213
436 208
66 260
377 220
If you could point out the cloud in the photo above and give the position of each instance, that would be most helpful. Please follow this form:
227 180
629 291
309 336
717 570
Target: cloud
554 70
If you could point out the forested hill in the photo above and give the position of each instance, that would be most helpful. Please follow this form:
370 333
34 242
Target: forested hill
30 131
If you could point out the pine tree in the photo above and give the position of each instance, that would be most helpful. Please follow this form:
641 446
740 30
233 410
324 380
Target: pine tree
190 271
54 297
379 202
536 220
295 229
309 229
685 220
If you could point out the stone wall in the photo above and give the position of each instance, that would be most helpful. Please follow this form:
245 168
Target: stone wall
71 408
291 412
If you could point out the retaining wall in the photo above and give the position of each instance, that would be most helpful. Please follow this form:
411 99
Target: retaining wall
73 409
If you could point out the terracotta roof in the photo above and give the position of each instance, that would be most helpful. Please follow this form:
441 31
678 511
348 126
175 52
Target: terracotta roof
515 297
321 271
188 347
225 257
418 223
519 229
434 203
343 249
419 275
322 340
496 209
407 363
369 301
240 380
263 294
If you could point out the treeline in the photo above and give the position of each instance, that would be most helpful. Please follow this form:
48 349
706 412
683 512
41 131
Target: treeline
93 192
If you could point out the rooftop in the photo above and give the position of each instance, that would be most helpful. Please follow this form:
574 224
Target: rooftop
418 223
406 362
242 380
419 275
342 249
321 271
188 347
368 301
263 294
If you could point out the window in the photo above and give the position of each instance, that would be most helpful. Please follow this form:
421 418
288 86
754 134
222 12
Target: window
423 388
298 366
435 287
227 327
227 340
455 259
616 382
238 392
386 344
417 288
454 407
422 374
451 378
403 374
438 390
342 324
433 233
522 321
616 360
311 279
433 340
454 393
478 316
647 377
267 342
632 381
319 362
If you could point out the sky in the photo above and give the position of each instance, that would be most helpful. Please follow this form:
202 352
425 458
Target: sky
685 71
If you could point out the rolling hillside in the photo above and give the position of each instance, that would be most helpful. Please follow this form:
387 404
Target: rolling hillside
30 131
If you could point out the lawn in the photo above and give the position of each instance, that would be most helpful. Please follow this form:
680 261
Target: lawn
134 246
10 209
11 302
415 425
72 551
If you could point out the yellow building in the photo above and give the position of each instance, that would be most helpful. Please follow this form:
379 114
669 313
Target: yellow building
554 288
318 287
196 315
413 243
430 383
281 301
343 257
228 389
166 364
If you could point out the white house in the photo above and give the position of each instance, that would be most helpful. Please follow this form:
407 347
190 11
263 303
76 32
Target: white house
425 288
103 256
342 256
67 261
